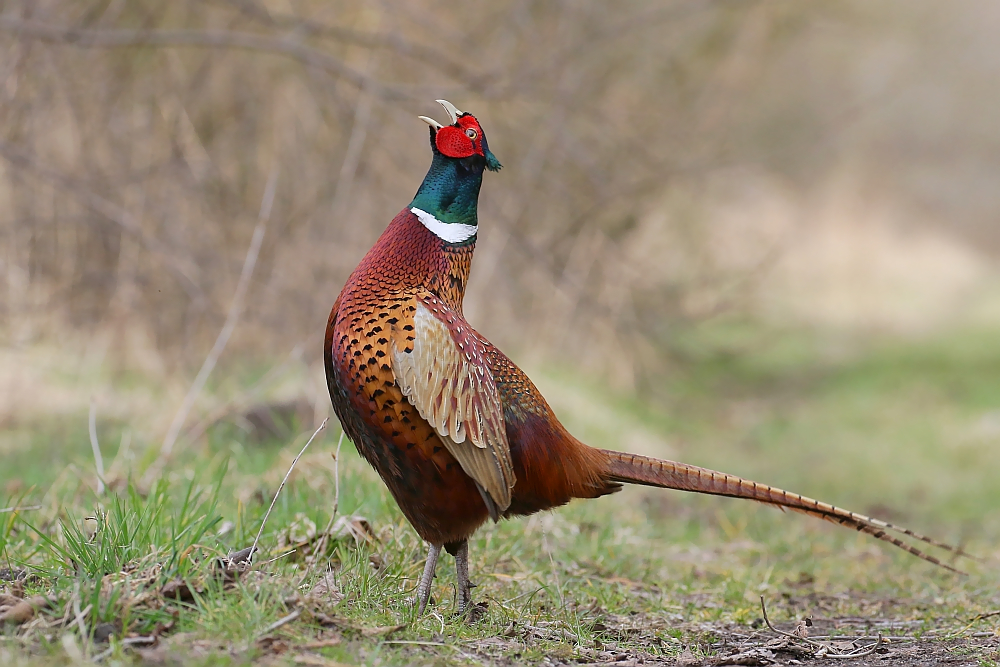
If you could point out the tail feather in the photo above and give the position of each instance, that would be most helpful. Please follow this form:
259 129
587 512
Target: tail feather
636 469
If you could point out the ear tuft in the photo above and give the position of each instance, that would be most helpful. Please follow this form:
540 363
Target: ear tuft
492 163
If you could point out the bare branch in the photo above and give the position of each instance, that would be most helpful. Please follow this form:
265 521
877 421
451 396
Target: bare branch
282 621
823 650
8 510
437 58
253 549
235 310
212 39
180 267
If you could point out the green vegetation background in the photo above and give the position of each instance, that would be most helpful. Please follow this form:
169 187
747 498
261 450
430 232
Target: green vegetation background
906 431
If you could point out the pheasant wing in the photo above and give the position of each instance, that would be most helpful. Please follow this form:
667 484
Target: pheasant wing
441 367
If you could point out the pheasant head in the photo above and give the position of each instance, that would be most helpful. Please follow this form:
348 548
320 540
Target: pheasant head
447 201
463 139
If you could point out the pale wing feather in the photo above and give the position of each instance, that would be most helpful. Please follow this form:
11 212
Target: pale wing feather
447 381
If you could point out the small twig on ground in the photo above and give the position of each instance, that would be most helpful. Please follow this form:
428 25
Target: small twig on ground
860 653
824 649
440 619
522 595
282 621
413 642
322 426
95 446
287 553
8 510
128 641
972 621
980 617
840 638
271 628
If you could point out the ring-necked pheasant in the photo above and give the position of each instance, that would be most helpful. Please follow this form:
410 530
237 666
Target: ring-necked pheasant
459 433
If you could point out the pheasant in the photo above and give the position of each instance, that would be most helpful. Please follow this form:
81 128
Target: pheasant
456 430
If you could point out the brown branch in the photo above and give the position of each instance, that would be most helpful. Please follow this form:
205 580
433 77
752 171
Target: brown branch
263 522
180 267
8 510
235 311
110 38
437 58
823 650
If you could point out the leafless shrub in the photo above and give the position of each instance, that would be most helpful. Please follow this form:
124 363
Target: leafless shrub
138 138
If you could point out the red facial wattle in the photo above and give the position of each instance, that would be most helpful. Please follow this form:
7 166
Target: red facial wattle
464 139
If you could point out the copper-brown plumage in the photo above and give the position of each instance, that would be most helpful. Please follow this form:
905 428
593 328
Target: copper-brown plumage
456 430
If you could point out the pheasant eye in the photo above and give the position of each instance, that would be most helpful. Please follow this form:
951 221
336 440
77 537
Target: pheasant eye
471 133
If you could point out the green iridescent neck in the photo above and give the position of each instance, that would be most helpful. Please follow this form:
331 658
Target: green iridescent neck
450 191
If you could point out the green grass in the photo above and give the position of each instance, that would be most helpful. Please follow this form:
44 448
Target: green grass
906 431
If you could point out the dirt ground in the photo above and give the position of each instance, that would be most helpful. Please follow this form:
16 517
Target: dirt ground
905 642
734 648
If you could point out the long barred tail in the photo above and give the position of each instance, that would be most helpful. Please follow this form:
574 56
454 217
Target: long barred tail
635 469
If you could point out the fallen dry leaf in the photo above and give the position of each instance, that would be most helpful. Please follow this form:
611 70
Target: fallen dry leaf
302 529
272 645
23 611
179 590
687 659
8 600
381 630
355 526
344 624
753 657
326 590
306 542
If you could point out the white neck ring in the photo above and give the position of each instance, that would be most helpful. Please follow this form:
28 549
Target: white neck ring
452 232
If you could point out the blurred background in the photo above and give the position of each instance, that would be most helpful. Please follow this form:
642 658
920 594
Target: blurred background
695 195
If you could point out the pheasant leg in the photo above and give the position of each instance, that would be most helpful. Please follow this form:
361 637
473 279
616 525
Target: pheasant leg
462 574
424 587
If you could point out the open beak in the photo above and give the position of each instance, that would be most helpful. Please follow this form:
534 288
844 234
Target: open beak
430 121
450 108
